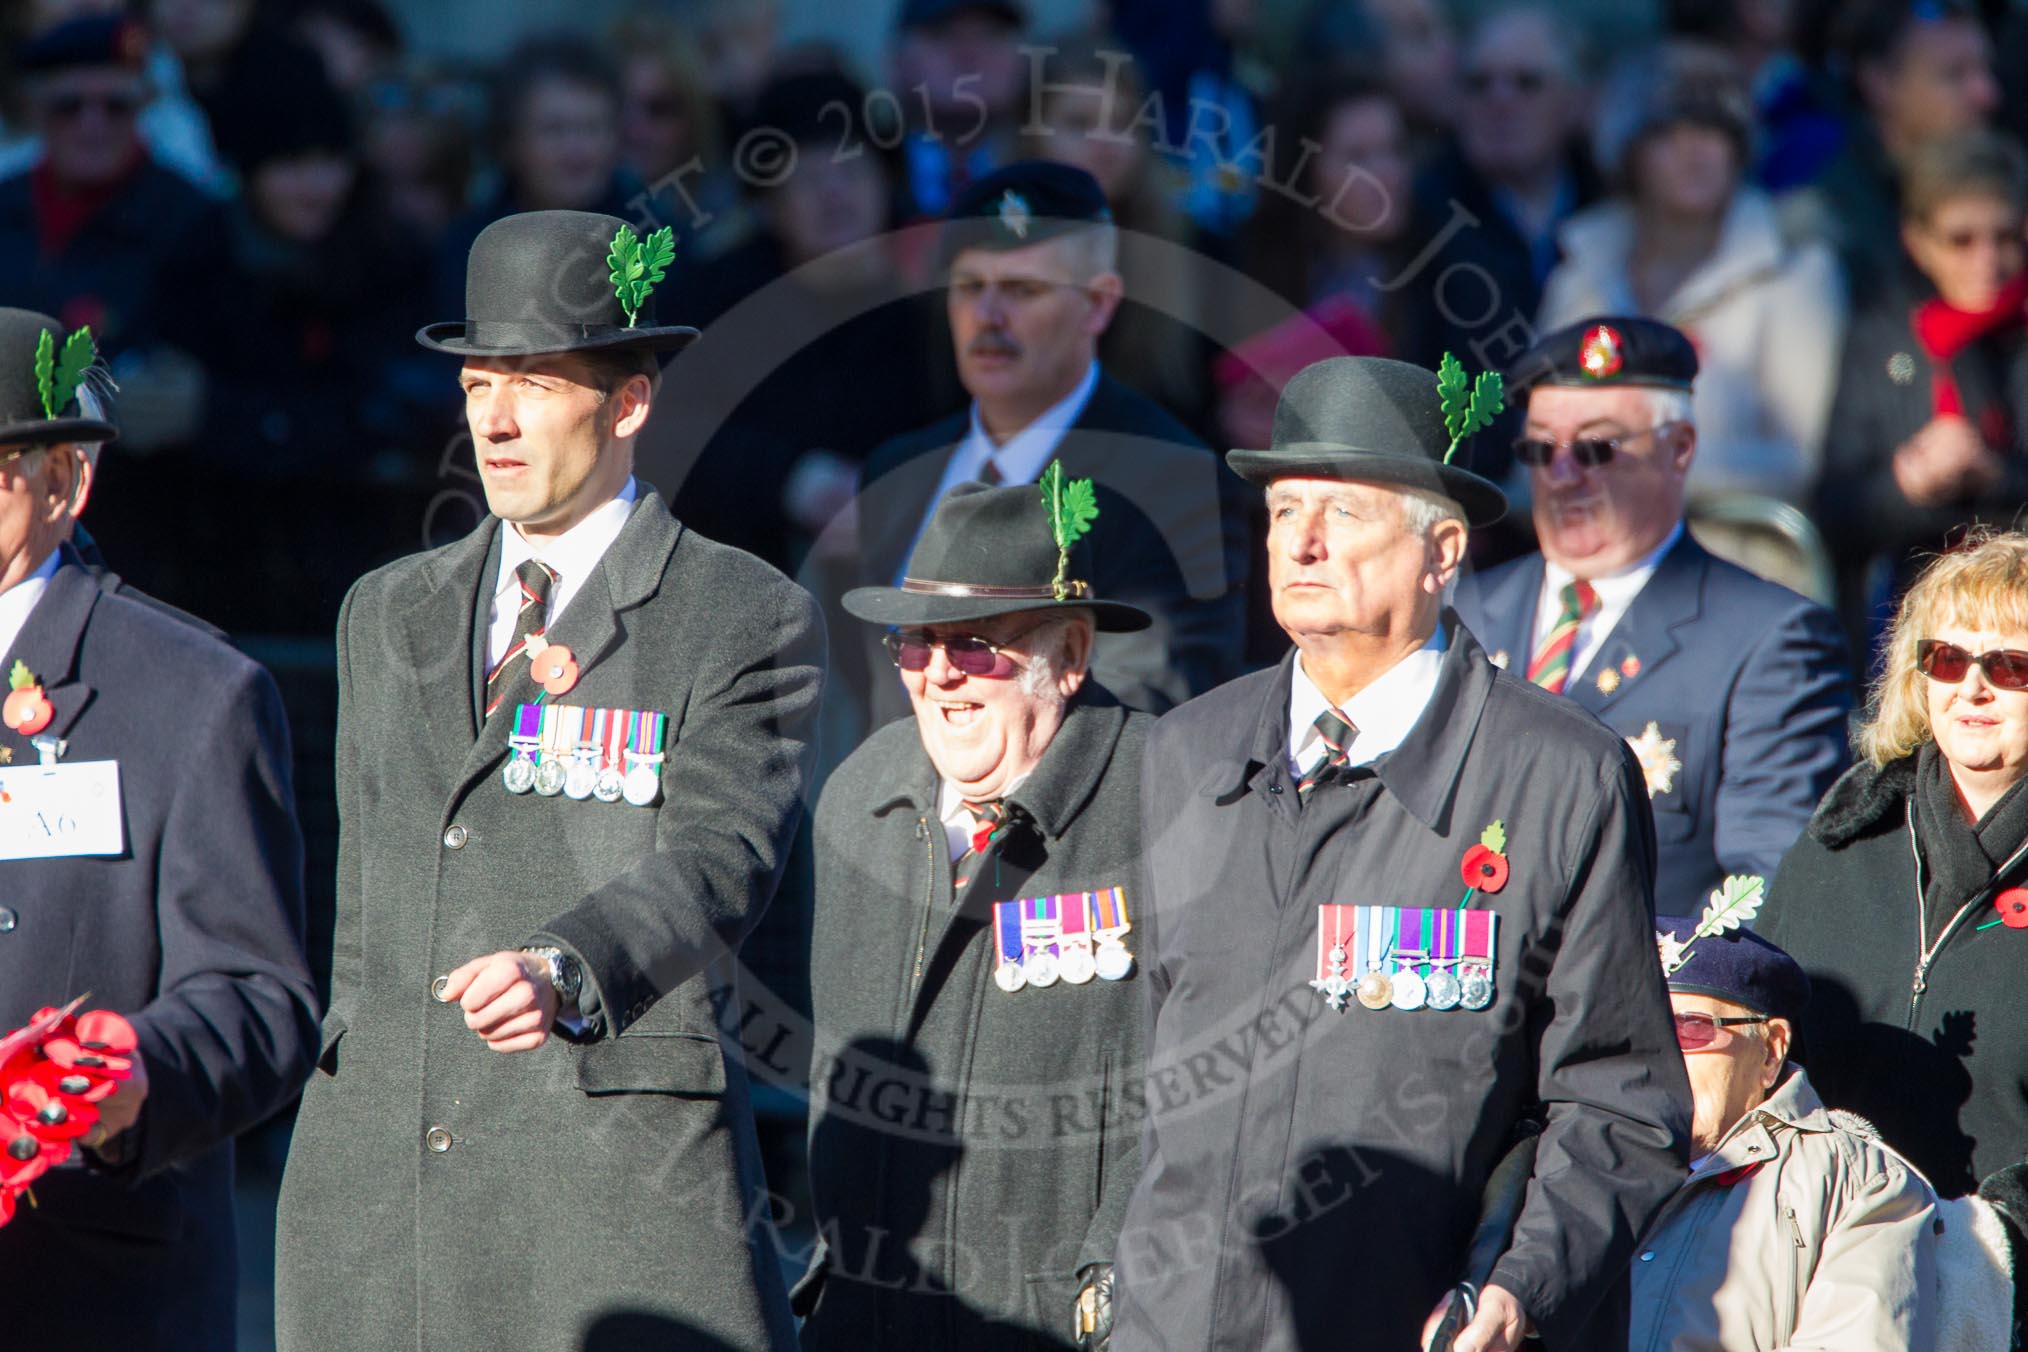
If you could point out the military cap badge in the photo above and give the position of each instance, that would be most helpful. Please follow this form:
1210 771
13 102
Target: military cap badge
1601 352
1014 213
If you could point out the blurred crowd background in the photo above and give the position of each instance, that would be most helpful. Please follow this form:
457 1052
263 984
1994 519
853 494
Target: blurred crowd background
255 203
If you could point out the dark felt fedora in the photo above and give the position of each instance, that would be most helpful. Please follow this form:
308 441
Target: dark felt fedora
989 551
1371 420
539 283
22 416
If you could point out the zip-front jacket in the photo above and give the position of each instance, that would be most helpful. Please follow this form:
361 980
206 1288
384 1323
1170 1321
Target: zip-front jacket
1801 1231
1921 1029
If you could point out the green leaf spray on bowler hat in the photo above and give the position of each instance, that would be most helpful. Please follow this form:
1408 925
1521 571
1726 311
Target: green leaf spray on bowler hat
1467 410
638 266
57 378
1073 506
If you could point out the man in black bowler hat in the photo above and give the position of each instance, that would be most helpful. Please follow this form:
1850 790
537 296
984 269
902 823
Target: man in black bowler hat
1398 901
174 899
1029 253
570 753
978 1012
1731 689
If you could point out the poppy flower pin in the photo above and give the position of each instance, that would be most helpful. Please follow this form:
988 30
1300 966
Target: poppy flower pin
2012 905
54 1072
27 709
1485 865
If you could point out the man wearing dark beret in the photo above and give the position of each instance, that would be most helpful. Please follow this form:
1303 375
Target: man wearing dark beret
1732 690
1797 1227
978 1009
1030 254
571 750
1399 906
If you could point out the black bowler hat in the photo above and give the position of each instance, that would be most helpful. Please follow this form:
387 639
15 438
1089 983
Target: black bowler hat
23 416
990 551
1736 965
1022 204
1371 420
1608 350
929 13
541 282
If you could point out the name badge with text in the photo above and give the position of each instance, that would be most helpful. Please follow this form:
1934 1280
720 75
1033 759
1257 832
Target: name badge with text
61 811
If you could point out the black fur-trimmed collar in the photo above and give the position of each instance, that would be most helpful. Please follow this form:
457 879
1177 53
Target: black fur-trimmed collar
1864 801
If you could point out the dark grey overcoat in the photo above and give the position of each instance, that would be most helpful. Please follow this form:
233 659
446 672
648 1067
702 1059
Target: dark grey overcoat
440 1195
971 1149
1311 1176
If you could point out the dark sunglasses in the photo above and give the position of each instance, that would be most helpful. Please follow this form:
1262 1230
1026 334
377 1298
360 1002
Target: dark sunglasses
2005 668
1526 82
68 106
967 653
1696 1030
1590 452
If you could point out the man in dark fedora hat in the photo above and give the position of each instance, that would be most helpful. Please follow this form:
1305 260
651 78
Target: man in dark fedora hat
570 753
1732 690
978 1008
169 891
1398 903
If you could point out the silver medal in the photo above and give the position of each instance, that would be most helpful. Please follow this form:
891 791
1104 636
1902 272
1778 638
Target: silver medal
550 777
1113 961
519 775
1477 989
1077 965
1009 977
1040 969
643 784
1443 990
610 784
579 779
1409 989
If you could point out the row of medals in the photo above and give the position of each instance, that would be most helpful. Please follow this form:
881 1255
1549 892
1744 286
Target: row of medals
582 778
1408 988
1077 964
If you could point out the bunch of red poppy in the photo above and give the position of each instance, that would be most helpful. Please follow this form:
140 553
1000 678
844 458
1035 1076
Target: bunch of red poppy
54 1073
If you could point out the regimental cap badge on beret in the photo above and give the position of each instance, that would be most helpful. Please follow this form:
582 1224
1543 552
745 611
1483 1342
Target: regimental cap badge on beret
639 265
59 375
1735 901
1014 213
1602 353
1467 408
1073 506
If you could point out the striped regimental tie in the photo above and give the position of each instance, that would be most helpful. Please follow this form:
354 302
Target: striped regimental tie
1337 734
530 621
1550 668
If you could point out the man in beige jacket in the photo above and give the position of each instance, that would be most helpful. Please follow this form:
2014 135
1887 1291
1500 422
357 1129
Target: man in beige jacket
1797 1229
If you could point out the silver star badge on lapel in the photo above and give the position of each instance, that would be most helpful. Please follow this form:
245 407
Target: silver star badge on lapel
1657 755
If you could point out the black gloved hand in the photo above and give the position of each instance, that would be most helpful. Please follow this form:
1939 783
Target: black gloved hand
1092 1325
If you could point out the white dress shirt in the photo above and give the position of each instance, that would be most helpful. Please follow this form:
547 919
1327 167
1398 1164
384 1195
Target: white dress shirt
1383 712
1616 592
19 600
1020 459
572 555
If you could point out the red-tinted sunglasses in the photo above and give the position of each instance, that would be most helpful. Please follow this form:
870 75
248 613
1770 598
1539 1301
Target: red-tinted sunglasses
968 653
2005 668
1696 1030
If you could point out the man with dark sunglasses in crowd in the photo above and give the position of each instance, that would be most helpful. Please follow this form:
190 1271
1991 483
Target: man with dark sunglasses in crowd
978 1007
1732 690
1797 1227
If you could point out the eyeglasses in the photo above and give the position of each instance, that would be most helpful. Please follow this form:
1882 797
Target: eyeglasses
1696 1030
967 653
1523 82
2005 668
1590 452
69 106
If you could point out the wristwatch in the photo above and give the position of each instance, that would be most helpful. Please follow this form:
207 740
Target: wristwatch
565 976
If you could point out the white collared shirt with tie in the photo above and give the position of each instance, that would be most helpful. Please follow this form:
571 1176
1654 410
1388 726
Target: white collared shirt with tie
1616 592
571 556
1382 713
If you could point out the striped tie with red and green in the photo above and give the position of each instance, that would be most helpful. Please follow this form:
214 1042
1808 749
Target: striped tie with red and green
1551 667
536 579
1337 735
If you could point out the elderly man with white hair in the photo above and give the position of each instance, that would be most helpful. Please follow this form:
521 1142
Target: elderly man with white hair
977 1002
1399 905
1731 689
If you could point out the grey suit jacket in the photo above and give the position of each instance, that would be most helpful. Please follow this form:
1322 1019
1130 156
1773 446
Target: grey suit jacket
484 1200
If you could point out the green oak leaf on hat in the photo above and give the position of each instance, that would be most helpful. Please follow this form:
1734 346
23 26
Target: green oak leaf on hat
543 283
998 551
1377 420
43 367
